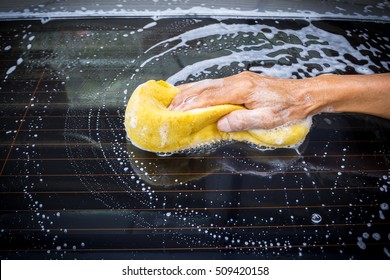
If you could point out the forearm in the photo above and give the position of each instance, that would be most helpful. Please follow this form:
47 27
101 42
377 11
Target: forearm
367 94
273 102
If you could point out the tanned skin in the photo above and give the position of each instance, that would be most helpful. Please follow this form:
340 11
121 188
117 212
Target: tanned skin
273 102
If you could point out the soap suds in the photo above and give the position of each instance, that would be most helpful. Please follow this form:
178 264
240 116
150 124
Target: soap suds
11 69
164 130
251 52
149 25
163 9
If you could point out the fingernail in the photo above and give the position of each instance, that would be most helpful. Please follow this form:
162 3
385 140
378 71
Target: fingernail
223 125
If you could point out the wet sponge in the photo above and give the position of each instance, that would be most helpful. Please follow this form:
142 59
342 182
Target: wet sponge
151 126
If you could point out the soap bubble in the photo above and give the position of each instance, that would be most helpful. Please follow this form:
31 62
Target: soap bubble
384 206
316 218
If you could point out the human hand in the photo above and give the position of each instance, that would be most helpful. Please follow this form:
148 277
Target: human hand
271 102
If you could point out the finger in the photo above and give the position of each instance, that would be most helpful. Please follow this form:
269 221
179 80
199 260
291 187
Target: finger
229 90
181 98
188 91
238 121
185 104
184 87
242 120
228 94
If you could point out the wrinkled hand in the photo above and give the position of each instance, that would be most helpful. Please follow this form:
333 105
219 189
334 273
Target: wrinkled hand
271 102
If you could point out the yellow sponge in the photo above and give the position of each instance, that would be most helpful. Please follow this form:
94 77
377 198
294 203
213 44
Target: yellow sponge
151 126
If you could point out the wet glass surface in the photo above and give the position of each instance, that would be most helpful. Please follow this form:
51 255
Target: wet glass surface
73 187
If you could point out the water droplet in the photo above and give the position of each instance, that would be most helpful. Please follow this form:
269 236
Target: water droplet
386 251
376 236
384 206
361 243
316 218
11 69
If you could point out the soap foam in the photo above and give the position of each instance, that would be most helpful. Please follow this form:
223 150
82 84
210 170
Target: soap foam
203 149
249 53
62 11
306 122
164 130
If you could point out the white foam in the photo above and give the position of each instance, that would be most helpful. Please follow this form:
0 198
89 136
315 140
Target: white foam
386 251
384 206
163 131
149 25
133 121
197 11
45 20
326 40
11 69
361 243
